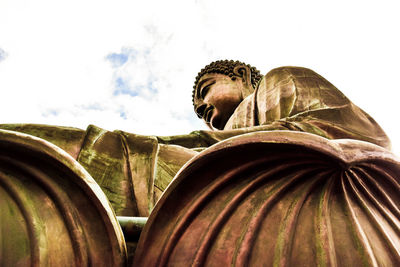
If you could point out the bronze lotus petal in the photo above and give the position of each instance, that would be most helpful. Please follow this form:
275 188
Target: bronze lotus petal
279 198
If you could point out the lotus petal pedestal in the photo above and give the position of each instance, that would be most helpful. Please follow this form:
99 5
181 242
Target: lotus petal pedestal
279 199
52 211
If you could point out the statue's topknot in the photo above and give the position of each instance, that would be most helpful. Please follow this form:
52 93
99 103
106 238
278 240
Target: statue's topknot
226 67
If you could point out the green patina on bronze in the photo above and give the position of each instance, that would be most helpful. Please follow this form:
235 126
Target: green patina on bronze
289 223
59 215
12 229
68 138
321 253
287 98
217 221
233 99
360 248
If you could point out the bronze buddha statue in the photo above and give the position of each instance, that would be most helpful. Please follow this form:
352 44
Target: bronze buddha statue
232 95
233 99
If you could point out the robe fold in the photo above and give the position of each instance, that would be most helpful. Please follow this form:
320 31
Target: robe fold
293 98
133 170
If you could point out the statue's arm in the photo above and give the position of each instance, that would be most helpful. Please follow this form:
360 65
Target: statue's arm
68 138
193 140
204 138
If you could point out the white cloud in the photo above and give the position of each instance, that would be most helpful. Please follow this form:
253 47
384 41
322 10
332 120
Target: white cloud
3 54
130 65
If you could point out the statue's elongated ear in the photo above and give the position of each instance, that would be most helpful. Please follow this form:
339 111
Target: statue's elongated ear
244 72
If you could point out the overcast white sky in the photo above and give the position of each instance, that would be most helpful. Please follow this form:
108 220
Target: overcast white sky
130 65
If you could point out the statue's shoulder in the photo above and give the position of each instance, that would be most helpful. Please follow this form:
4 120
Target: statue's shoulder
285 80
262 106
286 74
291 71
306 89
299 77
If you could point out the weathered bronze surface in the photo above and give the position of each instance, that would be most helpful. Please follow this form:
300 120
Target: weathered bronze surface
286 98
52 212
133 170
279 199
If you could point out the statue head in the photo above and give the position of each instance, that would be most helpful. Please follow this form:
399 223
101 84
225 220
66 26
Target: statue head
220 87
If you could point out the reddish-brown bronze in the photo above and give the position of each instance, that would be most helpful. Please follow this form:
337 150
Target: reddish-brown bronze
265 197
232 95
279 198
52 211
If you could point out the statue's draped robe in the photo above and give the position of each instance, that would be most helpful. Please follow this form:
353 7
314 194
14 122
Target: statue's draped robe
133 170
293 98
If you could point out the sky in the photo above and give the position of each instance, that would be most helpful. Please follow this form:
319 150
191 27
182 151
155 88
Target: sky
131 65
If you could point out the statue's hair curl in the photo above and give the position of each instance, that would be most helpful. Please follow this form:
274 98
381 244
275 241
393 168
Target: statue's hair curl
227 67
